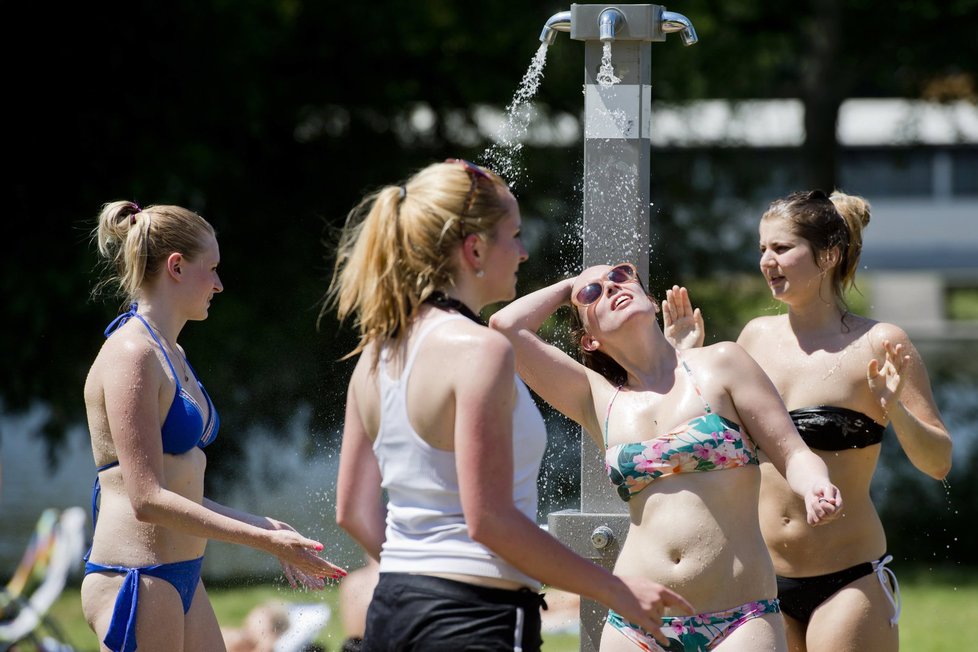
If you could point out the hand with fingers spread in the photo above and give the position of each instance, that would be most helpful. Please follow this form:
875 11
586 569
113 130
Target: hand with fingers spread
681 324
886 381
300 558
296 578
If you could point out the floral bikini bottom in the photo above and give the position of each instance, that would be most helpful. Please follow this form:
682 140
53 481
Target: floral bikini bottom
699 633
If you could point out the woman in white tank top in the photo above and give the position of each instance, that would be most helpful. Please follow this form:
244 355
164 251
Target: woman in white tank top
437 418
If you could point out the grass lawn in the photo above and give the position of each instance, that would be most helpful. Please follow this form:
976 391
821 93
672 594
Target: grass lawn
939 607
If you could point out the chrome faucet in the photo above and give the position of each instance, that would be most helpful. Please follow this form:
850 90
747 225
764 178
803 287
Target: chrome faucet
609 22
647 23
559 22
673 22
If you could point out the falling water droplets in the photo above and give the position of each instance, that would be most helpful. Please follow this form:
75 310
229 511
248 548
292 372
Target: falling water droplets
606 73
503 156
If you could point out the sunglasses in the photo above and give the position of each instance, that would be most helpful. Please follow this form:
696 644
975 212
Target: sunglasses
475 173
621 273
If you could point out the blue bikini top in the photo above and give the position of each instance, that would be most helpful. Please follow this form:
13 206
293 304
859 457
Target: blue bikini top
185 426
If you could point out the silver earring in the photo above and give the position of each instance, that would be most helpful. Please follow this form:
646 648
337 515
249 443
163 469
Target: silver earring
480 274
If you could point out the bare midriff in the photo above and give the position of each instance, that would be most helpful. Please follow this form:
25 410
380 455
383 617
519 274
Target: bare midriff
857 536
123 540
698 534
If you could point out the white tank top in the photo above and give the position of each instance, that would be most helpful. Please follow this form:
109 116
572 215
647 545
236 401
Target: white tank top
426 530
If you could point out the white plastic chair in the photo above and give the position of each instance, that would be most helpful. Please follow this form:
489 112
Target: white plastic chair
61 547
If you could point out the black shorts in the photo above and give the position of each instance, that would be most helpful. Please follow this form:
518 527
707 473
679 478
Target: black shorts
432 614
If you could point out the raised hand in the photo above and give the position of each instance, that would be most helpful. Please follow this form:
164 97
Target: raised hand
886 382
681 324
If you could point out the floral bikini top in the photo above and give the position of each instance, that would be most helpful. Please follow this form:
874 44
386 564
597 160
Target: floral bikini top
705 443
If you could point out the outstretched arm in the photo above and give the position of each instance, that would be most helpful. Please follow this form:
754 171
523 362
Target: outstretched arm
299 560
758 404
132 409
681 324
902 389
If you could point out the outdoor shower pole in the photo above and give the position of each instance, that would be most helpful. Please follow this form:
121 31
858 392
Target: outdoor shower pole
617 200
617 125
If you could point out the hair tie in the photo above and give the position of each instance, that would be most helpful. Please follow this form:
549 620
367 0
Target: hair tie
132 216
402 191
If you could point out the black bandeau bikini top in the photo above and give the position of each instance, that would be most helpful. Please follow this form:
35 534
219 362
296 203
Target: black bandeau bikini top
831 428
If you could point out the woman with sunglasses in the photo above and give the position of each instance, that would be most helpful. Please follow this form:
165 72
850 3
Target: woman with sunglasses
844 377
667 423
437 419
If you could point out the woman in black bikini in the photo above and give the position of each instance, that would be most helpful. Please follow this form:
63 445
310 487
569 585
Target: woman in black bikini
843 378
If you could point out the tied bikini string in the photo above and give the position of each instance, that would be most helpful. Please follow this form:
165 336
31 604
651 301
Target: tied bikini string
441 300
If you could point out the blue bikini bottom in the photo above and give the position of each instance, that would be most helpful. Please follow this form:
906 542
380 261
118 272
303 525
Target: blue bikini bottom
183 575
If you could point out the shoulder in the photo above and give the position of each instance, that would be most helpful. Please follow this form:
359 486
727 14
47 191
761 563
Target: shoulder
717 355
723 351
365 370
129 362
464 336
758 333
475 363
880 332
129 348
728 361
761 326
461 353
883 330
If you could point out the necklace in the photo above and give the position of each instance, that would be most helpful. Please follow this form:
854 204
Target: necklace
441 300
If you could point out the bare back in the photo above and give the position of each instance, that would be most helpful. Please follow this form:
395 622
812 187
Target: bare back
431 386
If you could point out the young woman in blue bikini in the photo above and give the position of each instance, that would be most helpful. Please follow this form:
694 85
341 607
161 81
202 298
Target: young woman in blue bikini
149 418
844 377
681 433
